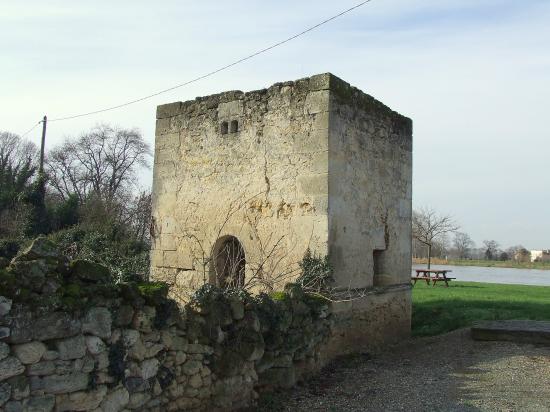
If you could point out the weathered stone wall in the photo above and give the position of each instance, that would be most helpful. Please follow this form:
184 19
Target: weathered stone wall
370 321
265 184
370 190
314 163
70 341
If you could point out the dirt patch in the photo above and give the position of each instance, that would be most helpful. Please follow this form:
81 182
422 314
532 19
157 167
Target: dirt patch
444 373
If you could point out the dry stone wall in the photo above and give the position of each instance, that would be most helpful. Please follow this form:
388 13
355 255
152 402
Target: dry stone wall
70 341
314 163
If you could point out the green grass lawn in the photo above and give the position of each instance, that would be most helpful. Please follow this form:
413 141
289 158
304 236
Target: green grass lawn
439 309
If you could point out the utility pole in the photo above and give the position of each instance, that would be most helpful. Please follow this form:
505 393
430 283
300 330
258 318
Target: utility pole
41 168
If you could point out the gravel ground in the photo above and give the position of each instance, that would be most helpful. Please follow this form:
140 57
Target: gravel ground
444 373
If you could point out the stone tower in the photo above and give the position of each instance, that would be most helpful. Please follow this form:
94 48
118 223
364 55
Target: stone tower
245 183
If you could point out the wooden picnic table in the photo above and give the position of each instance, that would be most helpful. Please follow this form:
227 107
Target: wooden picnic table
434 275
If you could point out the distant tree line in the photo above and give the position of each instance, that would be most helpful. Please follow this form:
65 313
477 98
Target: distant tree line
87 198
439 236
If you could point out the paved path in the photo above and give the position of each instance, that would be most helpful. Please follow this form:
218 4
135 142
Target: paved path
445 373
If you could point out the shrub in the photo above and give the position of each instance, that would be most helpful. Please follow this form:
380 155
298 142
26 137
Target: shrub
66 213
127 259
316 273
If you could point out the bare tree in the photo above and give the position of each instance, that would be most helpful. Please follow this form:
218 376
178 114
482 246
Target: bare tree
491 249
428 226
15 152
139 215
103 162
518 253
463 243
66 174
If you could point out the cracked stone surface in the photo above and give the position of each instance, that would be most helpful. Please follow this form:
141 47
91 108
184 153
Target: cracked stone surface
313 163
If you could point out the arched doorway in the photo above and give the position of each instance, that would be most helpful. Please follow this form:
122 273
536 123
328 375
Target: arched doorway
228 263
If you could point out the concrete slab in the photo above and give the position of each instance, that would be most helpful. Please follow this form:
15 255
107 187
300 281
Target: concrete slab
526 331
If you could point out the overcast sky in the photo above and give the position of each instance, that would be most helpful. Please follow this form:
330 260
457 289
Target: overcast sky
474 75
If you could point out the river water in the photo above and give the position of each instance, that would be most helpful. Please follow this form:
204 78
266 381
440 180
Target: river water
496 275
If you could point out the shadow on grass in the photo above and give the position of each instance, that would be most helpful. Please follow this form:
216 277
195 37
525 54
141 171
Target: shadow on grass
435 317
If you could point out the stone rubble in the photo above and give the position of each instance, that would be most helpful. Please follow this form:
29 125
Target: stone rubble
128 347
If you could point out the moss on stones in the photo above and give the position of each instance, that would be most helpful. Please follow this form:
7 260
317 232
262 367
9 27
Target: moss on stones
39 248
88 271
228 330
154 293
279 296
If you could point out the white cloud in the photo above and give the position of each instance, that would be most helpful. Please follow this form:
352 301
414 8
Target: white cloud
473 75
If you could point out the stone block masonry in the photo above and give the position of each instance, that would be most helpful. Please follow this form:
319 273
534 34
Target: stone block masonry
314 162
308 164
72 342
262 181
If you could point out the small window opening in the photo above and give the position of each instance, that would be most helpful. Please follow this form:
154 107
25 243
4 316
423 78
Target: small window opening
234 126
378 267
224 127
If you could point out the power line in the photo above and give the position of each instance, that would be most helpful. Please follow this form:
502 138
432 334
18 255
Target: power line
30 130
196 79
204 76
